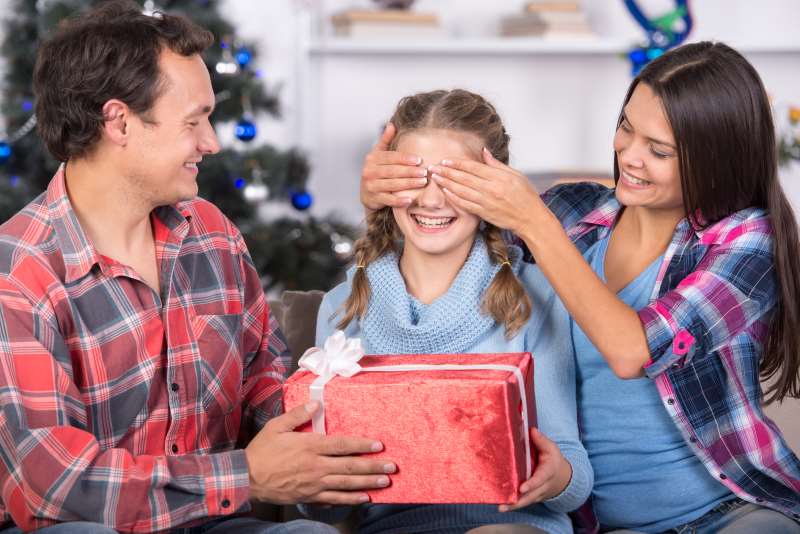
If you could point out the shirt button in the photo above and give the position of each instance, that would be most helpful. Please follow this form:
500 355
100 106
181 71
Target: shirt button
670 401
759 499
225 503
174 448
723 476
174 386
693 439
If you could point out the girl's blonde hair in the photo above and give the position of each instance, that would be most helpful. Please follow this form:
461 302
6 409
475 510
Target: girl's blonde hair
461 111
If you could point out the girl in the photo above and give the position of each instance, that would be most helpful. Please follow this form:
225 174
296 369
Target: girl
684 274
431 278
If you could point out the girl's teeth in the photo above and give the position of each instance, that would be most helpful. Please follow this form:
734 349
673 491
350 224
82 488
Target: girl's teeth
433 222
637 181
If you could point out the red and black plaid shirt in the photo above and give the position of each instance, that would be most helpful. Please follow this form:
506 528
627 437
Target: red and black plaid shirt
118 405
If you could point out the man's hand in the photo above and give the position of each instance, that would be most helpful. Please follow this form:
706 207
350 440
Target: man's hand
551 477
288 467
386 171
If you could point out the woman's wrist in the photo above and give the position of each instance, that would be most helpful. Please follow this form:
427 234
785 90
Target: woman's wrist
537 228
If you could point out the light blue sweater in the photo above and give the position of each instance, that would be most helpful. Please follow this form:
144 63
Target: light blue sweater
398 323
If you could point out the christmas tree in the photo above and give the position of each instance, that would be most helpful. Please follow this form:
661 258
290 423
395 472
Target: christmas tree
300 252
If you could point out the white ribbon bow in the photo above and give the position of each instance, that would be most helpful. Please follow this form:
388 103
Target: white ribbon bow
338 356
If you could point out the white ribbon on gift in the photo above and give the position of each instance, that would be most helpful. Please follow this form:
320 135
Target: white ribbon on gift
339 356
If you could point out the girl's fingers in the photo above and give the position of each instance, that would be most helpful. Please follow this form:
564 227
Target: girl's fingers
525 500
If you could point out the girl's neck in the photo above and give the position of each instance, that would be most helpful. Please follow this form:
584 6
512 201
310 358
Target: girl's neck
429 276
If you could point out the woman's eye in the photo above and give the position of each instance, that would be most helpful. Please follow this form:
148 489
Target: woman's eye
625 126
660 155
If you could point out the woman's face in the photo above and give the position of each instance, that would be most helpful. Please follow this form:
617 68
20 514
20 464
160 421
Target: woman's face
430 224
647 155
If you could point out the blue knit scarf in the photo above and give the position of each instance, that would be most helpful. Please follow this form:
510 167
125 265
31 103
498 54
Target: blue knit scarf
398 323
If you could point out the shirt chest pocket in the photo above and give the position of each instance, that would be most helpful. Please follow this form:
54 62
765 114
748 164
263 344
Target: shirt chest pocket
221 371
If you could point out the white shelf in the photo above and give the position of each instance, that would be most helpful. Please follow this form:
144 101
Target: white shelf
453 46
344 46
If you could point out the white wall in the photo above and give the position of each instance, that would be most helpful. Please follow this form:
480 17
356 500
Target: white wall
559 109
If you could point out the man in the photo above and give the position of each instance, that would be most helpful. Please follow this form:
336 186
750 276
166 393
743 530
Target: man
140 368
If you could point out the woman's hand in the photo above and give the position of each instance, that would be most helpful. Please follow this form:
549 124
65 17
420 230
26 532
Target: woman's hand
551 477
385 172
492 190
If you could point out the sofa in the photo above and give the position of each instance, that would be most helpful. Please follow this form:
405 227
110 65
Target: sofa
296 312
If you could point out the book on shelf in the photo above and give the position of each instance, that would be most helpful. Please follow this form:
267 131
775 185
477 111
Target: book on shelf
551 6
547 21
386 24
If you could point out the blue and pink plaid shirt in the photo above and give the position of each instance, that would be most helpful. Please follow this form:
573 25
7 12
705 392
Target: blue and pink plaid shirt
119 405
706 325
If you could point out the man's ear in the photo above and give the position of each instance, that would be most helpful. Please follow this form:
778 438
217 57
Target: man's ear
116 115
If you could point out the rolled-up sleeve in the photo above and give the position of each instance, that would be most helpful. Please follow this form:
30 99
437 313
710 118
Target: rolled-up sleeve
733 286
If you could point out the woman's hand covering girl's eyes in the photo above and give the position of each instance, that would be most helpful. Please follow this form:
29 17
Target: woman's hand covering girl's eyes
386 172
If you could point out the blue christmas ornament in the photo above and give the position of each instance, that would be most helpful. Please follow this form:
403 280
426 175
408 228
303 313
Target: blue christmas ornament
245 130
5 152
14 180
663 32
302 200
27 105
243 57
239 183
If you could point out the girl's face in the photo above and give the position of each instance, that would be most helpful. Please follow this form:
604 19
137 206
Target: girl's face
430 224
647 155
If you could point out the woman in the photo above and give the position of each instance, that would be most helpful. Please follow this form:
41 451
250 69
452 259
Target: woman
432 279
683 274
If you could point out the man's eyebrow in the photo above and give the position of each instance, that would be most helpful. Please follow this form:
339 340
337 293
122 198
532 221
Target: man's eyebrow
201 110
652 139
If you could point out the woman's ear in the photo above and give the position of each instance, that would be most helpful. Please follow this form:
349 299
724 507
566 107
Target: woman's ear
115 121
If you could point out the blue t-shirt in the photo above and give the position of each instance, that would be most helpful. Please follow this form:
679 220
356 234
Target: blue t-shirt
646 477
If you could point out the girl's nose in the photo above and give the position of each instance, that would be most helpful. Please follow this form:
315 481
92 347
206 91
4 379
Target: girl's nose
431 196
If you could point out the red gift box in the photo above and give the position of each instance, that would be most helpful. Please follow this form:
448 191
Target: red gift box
456 436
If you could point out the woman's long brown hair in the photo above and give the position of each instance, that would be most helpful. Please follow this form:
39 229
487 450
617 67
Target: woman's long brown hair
727 156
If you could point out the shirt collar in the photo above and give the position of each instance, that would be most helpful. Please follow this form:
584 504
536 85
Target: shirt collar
77 250
606 213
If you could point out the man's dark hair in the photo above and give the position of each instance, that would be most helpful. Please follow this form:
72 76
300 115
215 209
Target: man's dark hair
111 51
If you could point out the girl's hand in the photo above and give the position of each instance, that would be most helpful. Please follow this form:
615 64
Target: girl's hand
386 171
551 477
491 190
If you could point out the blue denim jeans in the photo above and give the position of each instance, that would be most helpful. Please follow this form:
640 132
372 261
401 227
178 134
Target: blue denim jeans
734 517
237 525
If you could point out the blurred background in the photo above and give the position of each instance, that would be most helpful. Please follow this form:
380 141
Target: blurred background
305 86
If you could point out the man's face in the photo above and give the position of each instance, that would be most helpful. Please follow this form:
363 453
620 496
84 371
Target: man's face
164 150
